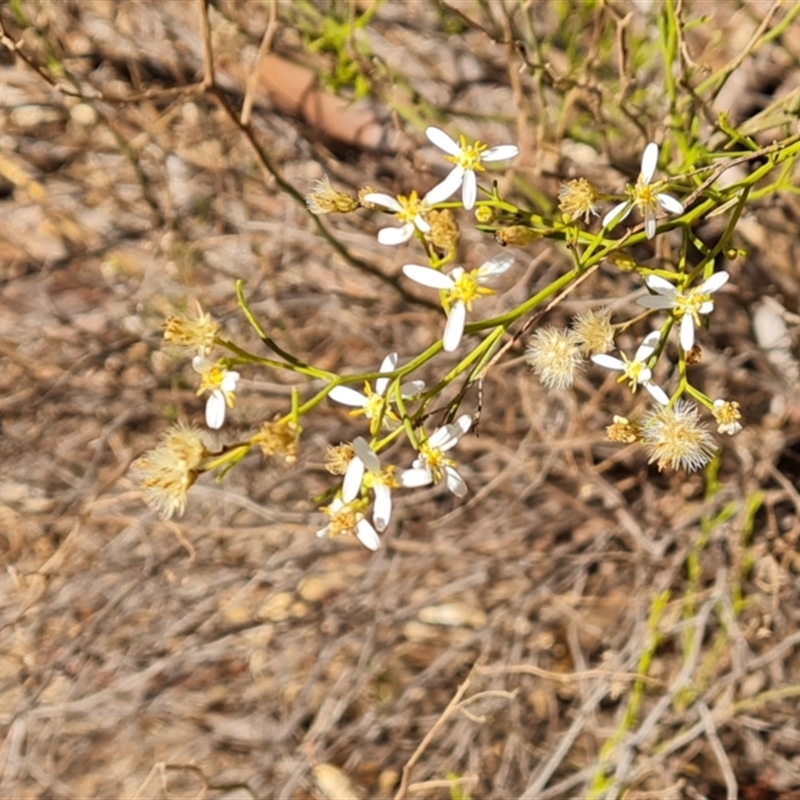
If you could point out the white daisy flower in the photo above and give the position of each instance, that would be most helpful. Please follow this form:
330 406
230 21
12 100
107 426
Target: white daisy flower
348 518
221 383
432 465
635 370
645 196
409 210
371 401
462 289
687 305
365 470
468 159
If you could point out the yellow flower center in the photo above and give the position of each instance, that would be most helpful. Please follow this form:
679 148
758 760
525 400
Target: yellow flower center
644 196
467 289
410 207
470 155
435 461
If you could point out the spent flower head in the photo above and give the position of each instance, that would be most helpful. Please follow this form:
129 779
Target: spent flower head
578 198
645 196
221 385
192 331
279 439
555 356
468 160
623 430
687 305
349 519
168 471
727 415
372 402
432 465
635 370
675 437
324 199
461 289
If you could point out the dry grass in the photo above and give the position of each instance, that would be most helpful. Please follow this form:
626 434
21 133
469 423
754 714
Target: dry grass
579 613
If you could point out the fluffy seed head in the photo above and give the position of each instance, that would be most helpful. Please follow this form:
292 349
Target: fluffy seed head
594 330
192 331
555 356
674 437
168 471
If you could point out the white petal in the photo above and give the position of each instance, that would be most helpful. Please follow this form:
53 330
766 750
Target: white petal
366 454
411 389
383 506
367 536
351 486
649 223
389 364
500 153
442 191
661 285
495 266
229 381
670 204
447 436
323 531
617 214
442 140
609 362
648 346
200 363
461 426
385 200
421 224
395 236
649 162
454 327
454 482
412 478
656 301
716 281
347 396
428 277
657 393
686 335
469 193
215 410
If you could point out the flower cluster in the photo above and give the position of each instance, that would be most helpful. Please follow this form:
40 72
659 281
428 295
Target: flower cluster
394 409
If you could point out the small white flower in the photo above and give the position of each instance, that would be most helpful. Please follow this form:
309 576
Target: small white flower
468 159
645 196
409 210
371 401
636 370
687 306
462 289
365 470
221 383
432 465
348 518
